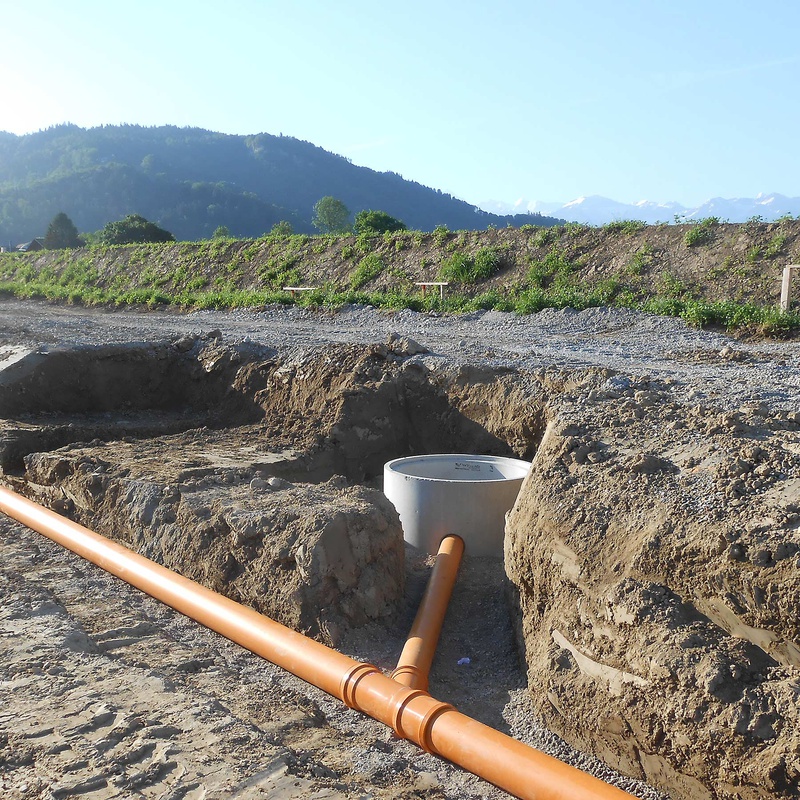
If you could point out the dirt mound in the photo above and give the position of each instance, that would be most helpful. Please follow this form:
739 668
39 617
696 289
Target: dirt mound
654 556
740 262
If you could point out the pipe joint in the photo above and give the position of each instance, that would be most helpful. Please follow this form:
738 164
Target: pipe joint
350 681
415 722
398 706
411 676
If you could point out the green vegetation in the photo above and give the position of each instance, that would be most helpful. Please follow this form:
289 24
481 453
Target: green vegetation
624 226
641 260
62 233
134 229
775 246
753 254
554 267
440 234
546 236
467 270
377 222
701 232
568 272
367 270
282 228
331 215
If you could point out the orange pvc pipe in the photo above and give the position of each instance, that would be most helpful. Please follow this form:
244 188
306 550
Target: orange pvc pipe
413 714
420 647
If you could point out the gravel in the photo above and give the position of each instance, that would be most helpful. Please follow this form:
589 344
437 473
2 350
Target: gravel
704 366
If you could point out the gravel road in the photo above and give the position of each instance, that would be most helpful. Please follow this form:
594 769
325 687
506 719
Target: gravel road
707 366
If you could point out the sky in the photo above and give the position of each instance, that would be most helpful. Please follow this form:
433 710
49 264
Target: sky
664 101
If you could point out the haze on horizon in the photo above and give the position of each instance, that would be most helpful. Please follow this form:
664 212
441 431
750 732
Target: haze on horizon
631 101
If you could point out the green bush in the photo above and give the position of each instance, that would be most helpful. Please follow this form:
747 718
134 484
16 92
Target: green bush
377 222
486 263
460 268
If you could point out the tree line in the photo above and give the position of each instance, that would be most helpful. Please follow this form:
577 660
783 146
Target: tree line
331 215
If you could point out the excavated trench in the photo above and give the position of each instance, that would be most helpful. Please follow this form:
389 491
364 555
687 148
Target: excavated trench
256 474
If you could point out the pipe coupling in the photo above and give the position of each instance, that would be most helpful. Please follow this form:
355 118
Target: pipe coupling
350 680
416 725
411 676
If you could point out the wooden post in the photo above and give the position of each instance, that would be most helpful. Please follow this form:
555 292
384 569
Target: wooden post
786 286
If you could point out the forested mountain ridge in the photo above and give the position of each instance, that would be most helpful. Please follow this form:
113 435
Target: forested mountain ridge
191 181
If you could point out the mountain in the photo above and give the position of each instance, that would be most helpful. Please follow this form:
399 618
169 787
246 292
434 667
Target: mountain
596 210
190 181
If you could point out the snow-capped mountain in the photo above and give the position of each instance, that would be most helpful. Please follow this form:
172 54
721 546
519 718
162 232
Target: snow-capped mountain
596 210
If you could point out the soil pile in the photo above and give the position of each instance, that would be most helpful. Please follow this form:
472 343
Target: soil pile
711 261
654 556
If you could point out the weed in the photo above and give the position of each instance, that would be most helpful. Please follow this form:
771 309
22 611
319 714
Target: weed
640 260
365 242
546 236
573 229
701 232
281 272
624 226
367 270
753 254
555 265
670 285
440 234
460 268
775 245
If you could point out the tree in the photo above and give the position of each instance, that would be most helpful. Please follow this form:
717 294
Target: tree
377 222
331 215
133 230
221 232
282 228
62 233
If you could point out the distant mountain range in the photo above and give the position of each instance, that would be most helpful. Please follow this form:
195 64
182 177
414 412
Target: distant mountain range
191 181
596 210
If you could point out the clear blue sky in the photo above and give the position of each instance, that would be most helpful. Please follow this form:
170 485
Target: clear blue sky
544 100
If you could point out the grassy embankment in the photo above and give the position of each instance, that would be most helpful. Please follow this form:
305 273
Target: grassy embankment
707 273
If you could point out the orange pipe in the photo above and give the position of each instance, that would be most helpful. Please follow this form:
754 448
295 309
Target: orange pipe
413 714
420 647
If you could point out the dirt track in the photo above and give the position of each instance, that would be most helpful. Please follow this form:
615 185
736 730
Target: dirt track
107 694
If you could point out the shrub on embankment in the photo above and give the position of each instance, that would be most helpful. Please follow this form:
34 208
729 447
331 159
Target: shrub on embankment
728 275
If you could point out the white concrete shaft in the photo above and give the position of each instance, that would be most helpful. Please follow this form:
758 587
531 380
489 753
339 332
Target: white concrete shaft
461 494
